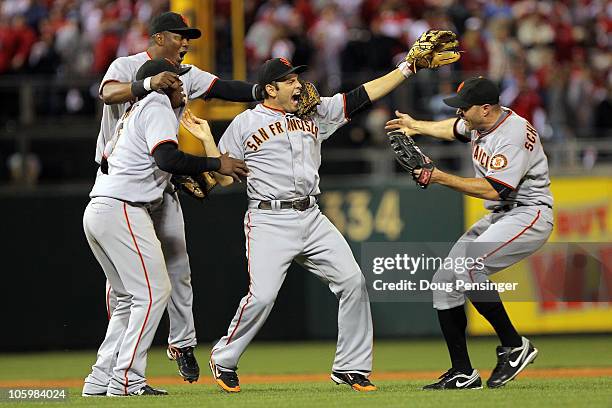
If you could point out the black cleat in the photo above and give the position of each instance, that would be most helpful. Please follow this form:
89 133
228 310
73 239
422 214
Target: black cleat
456 380
148 390
187 363
510 362
97 394
227 380
357 381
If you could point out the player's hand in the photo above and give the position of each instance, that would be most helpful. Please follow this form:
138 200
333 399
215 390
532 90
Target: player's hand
233 167
416 173
165 80
196 126
404 123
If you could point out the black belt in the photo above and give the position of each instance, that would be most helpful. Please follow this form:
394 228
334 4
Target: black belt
508 207
299 204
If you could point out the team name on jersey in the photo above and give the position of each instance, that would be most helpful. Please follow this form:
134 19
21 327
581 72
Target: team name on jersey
485 160
481 156
264 134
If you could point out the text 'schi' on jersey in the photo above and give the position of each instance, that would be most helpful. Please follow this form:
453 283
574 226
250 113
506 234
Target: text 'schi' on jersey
196 83
511 154
283 152
133 175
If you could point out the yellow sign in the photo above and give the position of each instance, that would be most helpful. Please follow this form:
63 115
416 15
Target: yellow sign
200 14
583 213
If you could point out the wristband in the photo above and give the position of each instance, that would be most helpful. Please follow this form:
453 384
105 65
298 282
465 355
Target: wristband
258 93
147 84
213 163
138 89
405 68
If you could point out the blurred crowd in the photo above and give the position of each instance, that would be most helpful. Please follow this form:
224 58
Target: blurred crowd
72 37
551 58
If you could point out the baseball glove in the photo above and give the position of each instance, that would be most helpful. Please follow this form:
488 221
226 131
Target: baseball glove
410 157
308 101
197 187
433 49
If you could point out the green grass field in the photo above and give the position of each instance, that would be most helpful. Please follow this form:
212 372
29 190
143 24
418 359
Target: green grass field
548 385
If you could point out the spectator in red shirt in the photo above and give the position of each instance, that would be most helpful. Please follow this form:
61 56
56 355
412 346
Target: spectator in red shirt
7 45
527 101
475 58
105 50
25 39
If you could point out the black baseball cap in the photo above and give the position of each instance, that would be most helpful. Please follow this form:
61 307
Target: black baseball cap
474 91
277 68
174 23
159 65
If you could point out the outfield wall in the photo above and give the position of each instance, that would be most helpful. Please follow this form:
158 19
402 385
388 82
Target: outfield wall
54 290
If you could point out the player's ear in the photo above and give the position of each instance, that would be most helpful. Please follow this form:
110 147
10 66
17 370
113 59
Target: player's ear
159 39
270 90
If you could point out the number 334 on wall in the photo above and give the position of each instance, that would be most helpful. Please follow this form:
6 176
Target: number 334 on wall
357 218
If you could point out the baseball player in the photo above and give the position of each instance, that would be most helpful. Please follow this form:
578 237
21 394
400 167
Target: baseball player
283 222
170 36
512 177
122 219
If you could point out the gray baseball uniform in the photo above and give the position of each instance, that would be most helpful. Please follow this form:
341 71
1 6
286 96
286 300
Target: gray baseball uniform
283 153
196 83
170 232
510 154
120 222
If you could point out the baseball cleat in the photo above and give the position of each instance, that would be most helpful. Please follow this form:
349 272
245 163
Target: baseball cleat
187 363
357 381
456 380
227 380
510 362
148 390
144 390
98 394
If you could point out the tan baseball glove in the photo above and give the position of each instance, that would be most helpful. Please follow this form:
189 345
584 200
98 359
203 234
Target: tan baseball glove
308 101
432 49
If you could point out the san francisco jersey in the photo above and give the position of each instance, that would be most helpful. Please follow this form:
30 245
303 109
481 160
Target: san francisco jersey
196 83
511 154
133 175
282 151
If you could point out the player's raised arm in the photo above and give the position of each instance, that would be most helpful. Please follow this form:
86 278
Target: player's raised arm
443 129
234 91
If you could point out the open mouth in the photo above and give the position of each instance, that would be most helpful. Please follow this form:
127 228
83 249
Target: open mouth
295 98
181 56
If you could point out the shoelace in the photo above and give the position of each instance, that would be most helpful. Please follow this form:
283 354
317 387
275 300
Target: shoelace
446 374
231 376
502 361
187 357
360 379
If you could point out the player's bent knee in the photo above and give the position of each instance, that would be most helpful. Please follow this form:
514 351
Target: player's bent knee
442 276
161 290
356 283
